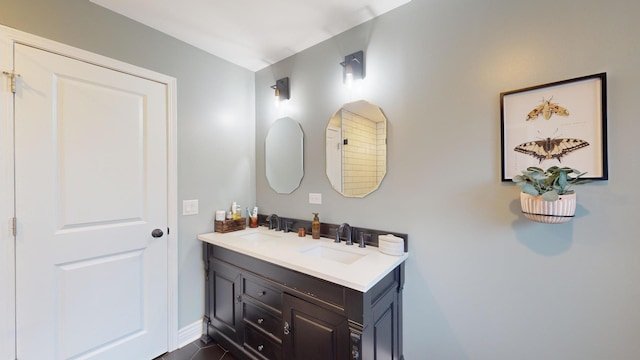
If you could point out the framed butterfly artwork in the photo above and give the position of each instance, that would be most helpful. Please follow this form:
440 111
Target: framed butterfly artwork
562 123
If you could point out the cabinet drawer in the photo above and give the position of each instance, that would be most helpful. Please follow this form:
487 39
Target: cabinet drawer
261 292
262 319
260 344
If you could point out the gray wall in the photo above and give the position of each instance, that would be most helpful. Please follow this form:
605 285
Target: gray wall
215 115
482 282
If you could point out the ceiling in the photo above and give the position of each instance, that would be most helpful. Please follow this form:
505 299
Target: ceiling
251 33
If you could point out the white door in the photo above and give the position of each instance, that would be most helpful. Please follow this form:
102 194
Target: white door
334 157
91 186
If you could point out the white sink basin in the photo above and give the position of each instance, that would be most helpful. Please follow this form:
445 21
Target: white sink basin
332 253
259 237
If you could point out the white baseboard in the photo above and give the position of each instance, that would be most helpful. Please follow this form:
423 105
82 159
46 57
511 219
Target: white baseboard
189 333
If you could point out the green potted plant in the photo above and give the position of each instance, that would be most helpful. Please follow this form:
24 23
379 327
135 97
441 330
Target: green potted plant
546 195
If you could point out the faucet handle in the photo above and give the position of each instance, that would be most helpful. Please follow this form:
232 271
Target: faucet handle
287 225
361 240
270 219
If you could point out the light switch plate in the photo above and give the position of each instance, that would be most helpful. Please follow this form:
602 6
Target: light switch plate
189 207
315 198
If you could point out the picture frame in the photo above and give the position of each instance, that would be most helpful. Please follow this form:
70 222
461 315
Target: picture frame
561 123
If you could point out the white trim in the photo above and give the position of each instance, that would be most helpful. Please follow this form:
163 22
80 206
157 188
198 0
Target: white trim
172 216
8 37
7 242
189 333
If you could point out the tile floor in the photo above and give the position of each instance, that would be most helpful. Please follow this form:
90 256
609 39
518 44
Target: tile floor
197 350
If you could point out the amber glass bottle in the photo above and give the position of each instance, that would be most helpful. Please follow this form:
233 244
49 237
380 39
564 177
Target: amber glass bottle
315 227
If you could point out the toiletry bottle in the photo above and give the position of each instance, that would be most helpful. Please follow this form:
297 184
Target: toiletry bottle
238 214
315 227
234 211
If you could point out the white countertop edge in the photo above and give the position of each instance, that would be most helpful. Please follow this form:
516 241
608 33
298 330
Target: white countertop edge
361 275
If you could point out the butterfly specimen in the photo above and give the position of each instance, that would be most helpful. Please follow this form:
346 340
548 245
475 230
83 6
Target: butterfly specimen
550 148
547 109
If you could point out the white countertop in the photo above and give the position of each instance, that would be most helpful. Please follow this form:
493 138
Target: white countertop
357 268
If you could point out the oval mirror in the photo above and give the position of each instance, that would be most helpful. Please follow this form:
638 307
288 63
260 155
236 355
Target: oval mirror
283 154
356 148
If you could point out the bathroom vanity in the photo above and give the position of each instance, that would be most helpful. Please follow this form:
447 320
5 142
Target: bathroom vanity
274 295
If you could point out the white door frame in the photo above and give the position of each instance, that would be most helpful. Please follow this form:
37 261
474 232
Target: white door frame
8 37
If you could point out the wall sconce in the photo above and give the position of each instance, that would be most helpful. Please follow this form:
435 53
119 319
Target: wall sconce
353 67
281 90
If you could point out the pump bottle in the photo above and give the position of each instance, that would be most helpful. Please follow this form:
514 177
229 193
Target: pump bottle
315 227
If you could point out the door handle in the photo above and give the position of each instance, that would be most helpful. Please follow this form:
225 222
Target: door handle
156 233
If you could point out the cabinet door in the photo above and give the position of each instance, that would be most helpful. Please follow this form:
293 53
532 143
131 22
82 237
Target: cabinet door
383 336
313 333
226 300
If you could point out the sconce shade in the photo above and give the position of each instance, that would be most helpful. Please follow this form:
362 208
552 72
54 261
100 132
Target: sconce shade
282 89
353 67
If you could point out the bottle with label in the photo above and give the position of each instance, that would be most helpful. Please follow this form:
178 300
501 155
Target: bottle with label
234 210
237 214
315 227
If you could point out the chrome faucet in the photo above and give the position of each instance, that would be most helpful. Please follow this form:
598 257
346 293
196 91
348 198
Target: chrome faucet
271 219
339 231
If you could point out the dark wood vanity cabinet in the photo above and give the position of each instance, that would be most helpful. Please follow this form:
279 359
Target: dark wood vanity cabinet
259 310
226 300
313 332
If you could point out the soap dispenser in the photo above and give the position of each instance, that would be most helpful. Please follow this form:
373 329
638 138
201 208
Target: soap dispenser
315 227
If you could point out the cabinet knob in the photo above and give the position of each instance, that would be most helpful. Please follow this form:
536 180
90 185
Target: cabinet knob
260 320
262 293
239 298
260 347
286 328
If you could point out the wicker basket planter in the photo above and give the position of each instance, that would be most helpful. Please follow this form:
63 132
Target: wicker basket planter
549 212
230 225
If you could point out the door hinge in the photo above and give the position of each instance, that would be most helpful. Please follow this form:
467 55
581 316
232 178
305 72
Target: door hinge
14 226
12 76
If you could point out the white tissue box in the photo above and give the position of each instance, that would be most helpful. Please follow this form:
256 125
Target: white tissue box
391 245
